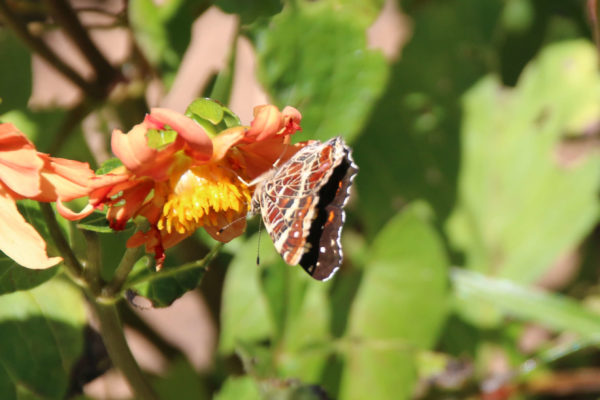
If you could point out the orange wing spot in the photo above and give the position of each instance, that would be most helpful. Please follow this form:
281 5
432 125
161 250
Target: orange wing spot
331 216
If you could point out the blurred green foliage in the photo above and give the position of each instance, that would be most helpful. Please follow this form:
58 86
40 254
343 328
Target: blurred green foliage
479 157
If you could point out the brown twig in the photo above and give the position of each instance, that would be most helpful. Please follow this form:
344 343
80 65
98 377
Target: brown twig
64 14
19 27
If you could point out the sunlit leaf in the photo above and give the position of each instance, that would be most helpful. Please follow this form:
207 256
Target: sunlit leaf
314 57
409 147
245 314
525 199
239 388
400 306
41 336
554 311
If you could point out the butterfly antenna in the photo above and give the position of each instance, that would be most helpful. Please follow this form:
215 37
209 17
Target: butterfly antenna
258 242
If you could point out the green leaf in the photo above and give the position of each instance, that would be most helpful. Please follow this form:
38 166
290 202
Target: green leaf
41 336
181 382
163 287
522 201
250 10
529 304
399 307
314 57
378 372
15 72
14 277
409 147
239 388
207 109
109 165
163 32
245 313
158 139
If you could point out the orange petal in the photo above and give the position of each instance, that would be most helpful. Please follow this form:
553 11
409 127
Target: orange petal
64 179
132 148
231 232
225 140
19 240
19 162
260 157
195 136
269 122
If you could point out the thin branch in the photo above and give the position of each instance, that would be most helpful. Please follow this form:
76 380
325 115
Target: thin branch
43 50
64 14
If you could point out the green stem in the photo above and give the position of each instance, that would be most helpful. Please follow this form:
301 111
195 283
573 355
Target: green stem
70 261
119 352
91 272
167 272
122 272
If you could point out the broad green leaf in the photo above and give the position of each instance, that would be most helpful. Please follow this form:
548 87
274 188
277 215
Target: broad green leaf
250 10
239 388
14 277
523 202
552 310
148 29
314 57
400 307
245 314
409 147
41 336
15 72
308 341
378 371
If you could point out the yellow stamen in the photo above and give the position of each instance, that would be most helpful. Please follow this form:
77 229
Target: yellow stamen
206 195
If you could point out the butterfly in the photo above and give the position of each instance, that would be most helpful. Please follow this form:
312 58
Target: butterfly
302 205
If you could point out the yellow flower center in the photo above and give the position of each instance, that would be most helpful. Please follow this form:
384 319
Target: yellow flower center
206 195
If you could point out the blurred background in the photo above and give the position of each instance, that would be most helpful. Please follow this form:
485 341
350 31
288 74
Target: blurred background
472 244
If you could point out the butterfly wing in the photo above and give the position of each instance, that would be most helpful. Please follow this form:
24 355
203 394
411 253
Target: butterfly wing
288 198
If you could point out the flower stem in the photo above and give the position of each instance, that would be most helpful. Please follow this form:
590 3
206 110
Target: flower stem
119 352
125 266
70 261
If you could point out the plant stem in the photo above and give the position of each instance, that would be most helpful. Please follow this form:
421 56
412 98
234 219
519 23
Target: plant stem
91 272
119 352
125 266
70 261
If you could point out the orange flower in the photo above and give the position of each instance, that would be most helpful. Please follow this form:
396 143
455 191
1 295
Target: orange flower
27 174
180 179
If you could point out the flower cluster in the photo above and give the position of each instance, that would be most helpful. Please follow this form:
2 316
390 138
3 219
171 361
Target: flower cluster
181 178
173 171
